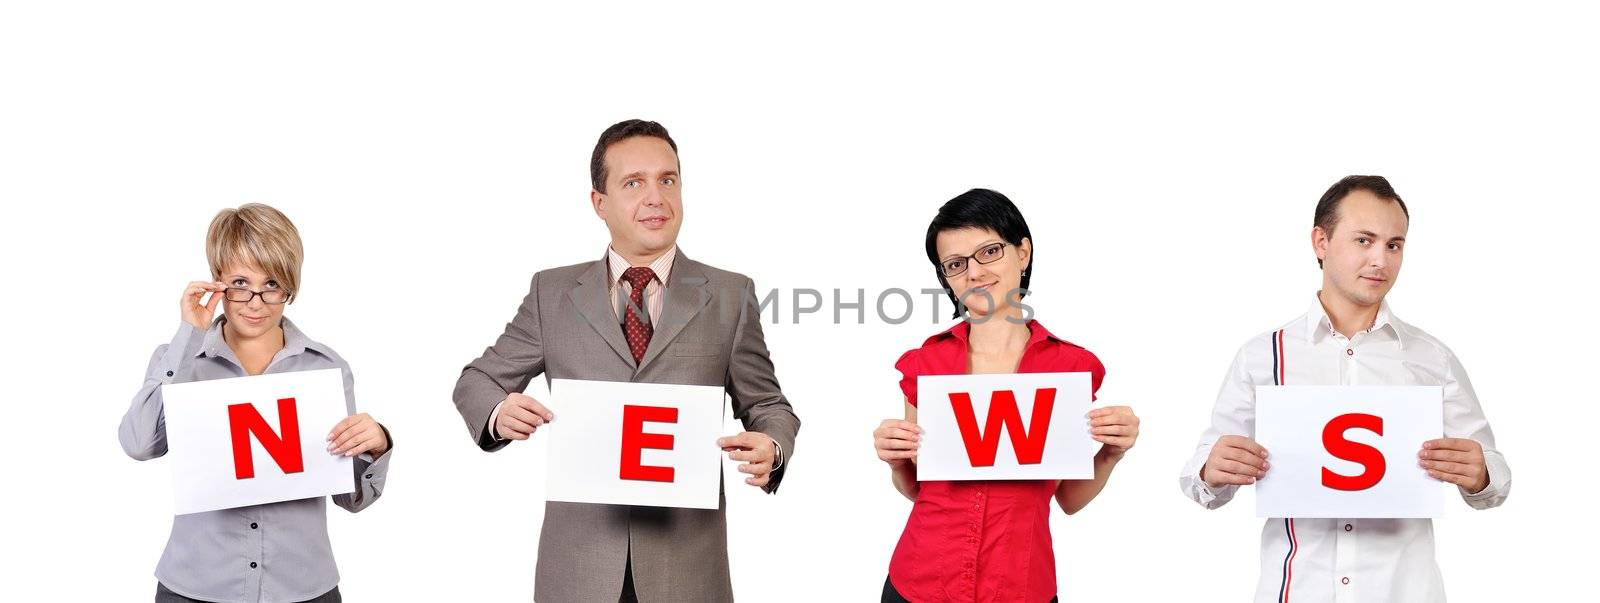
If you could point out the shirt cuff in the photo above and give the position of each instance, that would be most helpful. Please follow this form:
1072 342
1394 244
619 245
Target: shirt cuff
494 418
777 458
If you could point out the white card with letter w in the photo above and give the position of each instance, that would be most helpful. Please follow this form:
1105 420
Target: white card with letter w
1005 427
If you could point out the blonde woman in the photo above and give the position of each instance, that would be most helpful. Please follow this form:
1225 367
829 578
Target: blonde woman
271 552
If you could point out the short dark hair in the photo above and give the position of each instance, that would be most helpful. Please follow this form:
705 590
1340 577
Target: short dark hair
619 132
978 208
1328 207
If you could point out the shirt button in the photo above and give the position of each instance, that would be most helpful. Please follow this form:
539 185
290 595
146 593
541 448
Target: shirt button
1348 527
1344 580
253 525
252 565
169 373
1349 352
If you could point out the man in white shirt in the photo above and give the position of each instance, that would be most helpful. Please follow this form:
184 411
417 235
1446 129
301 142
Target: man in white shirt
1349 337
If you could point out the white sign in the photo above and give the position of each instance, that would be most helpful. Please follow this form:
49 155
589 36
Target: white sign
1005 427
647 444
1347 451
255 440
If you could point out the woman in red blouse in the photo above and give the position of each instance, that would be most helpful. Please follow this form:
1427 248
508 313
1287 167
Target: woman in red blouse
987 540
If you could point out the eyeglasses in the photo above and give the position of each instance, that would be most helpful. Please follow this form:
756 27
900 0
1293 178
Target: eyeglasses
241 295
985 255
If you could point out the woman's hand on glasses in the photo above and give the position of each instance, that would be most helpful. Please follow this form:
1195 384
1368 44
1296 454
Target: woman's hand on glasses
196 312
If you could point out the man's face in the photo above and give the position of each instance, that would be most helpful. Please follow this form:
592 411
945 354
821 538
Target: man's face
1361 257
642 205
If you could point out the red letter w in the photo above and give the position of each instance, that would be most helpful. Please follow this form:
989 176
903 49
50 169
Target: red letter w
1029 444
285 451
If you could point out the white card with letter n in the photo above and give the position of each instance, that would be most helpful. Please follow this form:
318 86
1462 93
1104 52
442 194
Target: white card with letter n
646 444
255 440
1005 427
1348 451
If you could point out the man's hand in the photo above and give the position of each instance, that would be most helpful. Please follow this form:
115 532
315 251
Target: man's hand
520 416
1455 460
1234 460
756 450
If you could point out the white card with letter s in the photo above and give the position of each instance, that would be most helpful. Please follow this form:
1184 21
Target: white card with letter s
1347 451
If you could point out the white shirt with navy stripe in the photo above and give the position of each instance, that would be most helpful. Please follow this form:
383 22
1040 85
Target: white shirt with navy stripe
1347 560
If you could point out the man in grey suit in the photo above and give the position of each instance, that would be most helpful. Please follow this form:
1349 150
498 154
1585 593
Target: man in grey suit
644 313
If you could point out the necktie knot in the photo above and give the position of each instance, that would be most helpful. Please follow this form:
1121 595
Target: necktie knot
638 277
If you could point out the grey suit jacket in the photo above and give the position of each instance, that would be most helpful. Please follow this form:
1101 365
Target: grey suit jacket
709 333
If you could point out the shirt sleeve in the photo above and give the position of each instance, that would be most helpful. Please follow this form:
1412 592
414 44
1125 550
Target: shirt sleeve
909 368
369 471
1464 418
143 432
1234 414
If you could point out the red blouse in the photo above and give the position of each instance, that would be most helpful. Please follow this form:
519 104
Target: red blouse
981 540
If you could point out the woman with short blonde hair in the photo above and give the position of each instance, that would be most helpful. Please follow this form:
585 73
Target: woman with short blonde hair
270 552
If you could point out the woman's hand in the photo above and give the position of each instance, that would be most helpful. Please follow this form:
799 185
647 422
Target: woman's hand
190 308
357 434
1114 426
897 441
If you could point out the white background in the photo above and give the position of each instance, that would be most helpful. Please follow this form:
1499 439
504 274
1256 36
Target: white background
1167 157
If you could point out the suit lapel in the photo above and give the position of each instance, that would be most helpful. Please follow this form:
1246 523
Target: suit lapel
590 298
686 295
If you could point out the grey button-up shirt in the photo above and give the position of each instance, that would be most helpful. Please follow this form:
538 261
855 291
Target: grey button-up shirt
272 552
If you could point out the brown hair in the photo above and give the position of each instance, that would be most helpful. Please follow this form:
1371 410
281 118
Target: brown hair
258 236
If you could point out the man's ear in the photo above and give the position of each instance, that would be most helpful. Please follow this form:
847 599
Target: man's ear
598 200
1319 243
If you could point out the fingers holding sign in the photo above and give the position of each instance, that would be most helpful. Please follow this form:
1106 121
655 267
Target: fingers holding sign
756 450
520 416
1235 460
358 434
1114 426
1455 460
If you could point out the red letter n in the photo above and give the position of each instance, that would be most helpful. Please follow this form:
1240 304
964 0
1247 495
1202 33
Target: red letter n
285 450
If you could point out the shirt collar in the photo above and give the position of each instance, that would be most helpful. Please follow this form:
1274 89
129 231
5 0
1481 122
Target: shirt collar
1036 333
662 266
1319 324
295 342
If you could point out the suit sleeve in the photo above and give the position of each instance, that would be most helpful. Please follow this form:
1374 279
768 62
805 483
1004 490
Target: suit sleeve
505 367
753 385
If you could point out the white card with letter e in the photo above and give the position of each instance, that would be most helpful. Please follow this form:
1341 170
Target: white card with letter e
1005 427
1348 452
646 444
255 440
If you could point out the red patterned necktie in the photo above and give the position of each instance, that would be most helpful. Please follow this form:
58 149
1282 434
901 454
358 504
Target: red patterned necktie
637 331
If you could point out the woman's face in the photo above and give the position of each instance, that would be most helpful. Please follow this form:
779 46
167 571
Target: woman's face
256 317
986 289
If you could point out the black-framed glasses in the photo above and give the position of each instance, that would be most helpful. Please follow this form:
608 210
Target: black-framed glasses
241 295
987 254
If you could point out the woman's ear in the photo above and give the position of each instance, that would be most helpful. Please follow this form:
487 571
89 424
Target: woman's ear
1025 253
